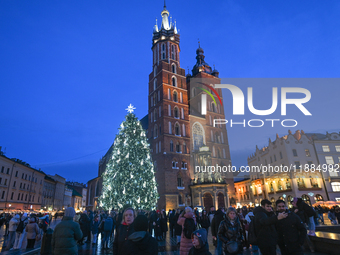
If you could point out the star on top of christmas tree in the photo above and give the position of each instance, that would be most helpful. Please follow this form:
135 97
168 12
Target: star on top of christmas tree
130 108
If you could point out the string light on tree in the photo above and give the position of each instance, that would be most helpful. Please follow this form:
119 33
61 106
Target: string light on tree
129 178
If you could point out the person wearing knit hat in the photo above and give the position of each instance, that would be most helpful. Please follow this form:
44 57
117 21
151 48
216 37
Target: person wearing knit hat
200 242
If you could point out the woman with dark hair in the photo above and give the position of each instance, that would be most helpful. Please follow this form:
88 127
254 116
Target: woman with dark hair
204 221
230 233
123 231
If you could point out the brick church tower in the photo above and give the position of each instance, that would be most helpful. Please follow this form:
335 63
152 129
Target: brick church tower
175 151
169 116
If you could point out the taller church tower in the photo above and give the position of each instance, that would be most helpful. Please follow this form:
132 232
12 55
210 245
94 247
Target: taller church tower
183 138
169 116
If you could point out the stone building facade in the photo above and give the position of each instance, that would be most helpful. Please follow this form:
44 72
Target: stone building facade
21 187
59 191
291 157
327 147
48 193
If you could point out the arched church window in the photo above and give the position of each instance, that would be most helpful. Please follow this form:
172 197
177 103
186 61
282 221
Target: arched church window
193 91
173 52
179 181
163 51
175 96
178 147
155 132
171 145
198 135
177 129
213 107
174 82
154 84
173 67
176 112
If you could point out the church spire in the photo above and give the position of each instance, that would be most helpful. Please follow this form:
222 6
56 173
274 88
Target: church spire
165 18
155 28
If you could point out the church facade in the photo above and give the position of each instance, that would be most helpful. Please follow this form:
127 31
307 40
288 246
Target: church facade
184 138
181 130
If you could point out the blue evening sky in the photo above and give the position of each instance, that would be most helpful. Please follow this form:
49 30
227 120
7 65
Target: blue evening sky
68 69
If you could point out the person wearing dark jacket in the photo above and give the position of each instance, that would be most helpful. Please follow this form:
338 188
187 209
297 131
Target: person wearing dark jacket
84 223
106 226
291 232
140 242
65 235
152 221
158 227
218 217
119 219
164 224
178 228
265 221
94 229
306 213
204 221
90 216
171 216
124 231
229 230
200 242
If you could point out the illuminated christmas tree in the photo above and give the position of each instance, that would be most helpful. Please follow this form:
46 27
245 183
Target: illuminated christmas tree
129 178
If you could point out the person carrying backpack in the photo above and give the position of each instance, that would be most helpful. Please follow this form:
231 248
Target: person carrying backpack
188 222
20 232
107 229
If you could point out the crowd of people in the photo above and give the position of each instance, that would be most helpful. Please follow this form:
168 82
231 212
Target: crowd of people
130 232
22 227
